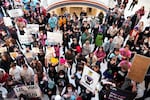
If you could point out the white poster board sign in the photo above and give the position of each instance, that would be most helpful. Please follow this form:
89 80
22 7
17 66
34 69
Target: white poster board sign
89 79
54 37
7 21
18 3
25 39
30 91
35 50
32 28
3 49
15 12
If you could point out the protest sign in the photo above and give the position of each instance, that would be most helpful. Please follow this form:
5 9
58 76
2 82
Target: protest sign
50 51
3 49
13 54
31 91
15 12
32 28
54 37
28 55
7 21
17 3
89 79
118 94
139 68
54 60
25 39
35 50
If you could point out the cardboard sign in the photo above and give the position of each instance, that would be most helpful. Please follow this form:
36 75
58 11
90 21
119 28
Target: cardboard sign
7 21
139 68
118 94
28 55
89 79
30 90
54 60
35 50
54 37
13 54
32 28
15 13
3 49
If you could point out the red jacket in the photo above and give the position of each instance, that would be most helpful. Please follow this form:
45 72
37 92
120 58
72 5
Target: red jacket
141 12
4 78
131 32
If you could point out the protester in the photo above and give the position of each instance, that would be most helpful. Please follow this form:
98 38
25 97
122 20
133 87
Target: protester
100 53
15 72
86 42
125 2
27 74
69 92
86 49
134 2
141 11
91 59
109 46
86 36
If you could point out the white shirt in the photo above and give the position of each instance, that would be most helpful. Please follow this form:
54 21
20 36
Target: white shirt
15 73
27 74
118 40
112 30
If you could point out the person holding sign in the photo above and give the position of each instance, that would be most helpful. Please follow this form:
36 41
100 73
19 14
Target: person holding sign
42 37
121 73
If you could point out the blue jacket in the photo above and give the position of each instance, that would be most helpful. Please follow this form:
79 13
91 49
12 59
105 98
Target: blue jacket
52 22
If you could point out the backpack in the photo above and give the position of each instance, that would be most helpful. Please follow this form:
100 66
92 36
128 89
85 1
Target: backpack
99 40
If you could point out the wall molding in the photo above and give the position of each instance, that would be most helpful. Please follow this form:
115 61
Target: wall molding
77 2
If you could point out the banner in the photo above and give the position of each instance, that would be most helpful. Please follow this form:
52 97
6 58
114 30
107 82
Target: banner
89 79
139 68
15 13
31 91
7 21
54 37
118 94
32 28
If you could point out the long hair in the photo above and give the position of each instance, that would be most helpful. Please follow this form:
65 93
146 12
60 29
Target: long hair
99 50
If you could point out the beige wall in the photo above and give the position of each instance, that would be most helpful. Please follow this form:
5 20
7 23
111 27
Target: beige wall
90 10
75 9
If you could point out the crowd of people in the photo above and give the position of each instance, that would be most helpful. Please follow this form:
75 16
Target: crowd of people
115 39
